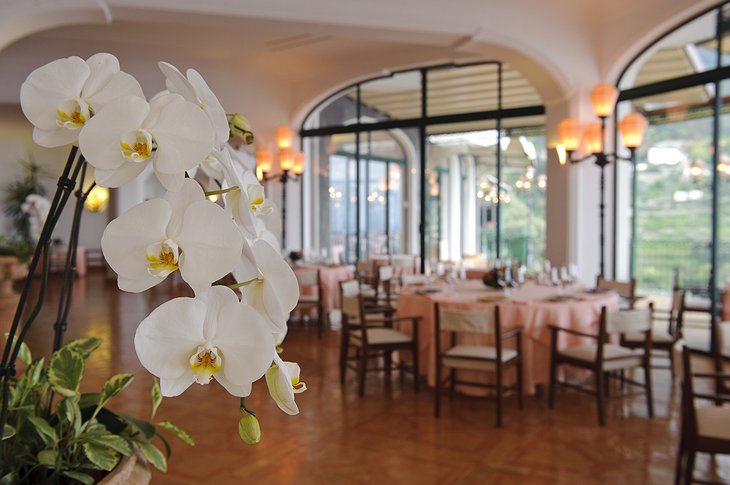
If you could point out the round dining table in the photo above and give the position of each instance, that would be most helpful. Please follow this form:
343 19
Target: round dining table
532 306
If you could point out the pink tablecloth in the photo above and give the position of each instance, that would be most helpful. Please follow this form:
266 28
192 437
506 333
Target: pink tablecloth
526 307
330 277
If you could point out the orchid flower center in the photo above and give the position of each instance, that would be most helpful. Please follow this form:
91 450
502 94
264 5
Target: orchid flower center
256 198
163 258
72 114
205 362
137 145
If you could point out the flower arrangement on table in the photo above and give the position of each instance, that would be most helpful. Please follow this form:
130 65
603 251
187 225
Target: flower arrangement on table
228 333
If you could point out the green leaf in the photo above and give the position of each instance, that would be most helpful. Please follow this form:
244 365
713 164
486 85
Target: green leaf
48 457
69 409
147 429
102 437
89 399
156 396
9 479
114 386
65 372
101 456
34 372
153 455
163 438
83 346
8 432
182 435
79 477
24 354
45 431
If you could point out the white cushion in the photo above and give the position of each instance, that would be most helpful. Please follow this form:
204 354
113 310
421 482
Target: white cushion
308 299
377 336
713 422
614 356
660 337
463 357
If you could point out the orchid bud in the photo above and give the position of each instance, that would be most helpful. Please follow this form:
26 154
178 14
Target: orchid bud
241 128
248 428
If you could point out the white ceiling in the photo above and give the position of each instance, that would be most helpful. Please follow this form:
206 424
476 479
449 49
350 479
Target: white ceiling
301 49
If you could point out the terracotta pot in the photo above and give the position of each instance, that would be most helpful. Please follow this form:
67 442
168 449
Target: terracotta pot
131 470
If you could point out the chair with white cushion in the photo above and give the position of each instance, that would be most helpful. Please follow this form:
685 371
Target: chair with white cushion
705 429
368 329
495 359
625 289
414 280
603 357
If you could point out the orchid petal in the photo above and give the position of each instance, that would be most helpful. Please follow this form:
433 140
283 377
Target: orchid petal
210 104
189 193
246 269
102 68
174 387
99 139
172 182
181 146
239 390
237 204
176 82
215 298
253 294
246 344
116 177
120 85
210 242
280 387
54 138
165 339
279 279
126 238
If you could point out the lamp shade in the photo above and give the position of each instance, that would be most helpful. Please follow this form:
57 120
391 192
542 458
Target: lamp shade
632 128
286 159
298 163
569 134
603 98
283 137
593 138
263 160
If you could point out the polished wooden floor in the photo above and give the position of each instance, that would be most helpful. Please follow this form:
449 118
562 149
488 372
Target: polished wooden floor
390 435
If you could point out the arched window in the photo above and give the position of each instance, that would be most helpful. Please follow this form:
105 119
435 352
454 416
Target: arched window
442 161
677 197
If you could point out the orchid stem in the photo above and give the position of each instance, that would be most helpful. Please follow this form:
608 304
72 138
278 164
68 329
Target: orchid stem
221 191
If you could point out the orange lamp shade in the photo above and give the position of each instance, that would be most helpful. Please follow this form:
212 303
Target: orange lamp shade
263 160
298 163
286 159
593 138
603 98
283 137
569 134
632 128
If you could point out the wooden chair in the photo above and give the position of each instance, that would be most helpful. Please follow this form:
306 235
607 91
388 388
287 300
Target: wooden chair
372 335
365 272
625 289
386 290
663 340
310 280
495 359
601 358
414 280
704 429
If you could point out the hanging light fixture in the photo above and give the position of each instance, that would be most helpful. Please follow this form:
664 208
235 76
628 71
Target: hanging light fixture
632 128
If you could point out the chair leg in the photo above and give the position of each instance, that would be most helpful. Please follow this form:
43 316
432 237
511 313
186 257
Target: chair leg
437 393
416 371
520 390
553 383
500 391
689 467
680 459
343 358
388 364
600 398
671 364
452 384
362 366
649 390
320 322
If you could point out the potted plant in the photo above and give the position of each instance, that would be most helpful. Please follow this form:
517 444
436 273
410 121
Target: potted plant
56 434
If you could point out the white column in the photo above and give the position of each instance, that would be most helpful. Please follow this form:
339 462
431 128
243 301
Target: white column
455 208
470 205
444 216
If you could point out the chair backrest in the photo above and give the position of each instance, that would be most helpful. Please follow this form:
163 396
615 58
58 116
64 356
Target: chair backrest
351 305
454 320
365 267
349 288
307 278
625 289
676 312
385 273
629 321
414 279
403 261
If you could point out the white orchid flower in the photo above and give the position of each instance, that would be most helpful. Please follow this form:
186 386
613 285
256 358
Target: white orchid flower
60 97
194 89
276 293
283 382
279 339
242 158
129 133
182 231
211 336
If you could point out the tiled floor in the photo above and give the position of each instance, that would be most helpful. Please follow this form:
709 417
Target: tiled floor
390 435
